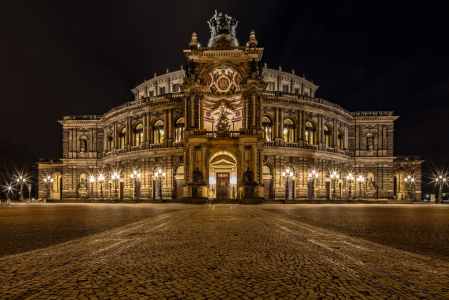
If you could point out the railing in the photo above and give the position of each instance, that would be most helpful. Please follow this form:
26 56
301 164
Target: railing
109 153
268 143
329 149
155 146
291 145
222 134
177 144
135 148
314 147
120 151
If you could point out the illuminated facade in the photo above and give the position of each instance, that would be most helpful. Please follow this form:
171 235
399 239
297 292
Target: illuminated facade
221 115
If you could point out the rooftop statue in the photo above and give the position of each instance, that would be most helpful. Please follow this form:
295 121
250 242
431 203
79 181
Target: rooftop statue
222 24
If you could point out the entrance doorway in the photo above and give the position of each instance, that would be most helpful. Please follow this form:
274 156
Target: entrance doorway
223 175
157 189
122 190
223 188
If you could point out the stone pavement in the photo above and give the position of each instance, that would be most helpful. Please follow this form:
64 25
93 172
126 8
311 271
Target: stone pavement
221 252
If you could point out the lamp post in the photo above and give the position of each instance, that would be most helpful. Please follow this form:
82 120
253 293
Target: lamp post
91 180
287 175
409 180
21 180
101 179
334 177
47 182
134 176
360 179
115 177
313 176
159 174
440 180
8 196
350 179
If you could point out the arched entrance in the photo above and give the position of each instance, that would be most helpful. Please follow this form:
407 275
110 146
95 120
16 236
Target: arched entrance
223 175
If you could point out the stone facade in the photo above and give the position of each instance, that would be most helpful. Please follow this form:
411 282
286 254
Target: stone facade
276 123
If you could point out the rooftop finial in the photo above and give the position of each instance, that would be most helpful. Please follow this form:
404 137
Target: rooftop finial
155 75
167 71
252 43
182 67
193 42
293 71
280 68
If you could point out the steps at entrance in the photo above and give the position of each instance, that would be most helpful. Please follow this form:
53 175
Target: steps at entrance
223 201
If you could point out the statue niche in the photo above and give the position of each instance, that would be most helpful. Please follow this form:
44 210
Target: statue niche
249 183
370 141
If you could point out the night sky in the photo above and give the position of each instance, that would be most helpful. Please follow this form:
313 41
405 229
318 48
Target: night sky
83 57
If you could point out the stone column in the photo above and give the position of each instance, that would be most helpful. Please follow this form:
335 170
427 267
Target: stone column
186 113
319 130
170 124
276 121
335 135
260 167
145 127
254 161
192 162
185 167
260 111
281 123
105 140
201 113
192 112
300 126
253 113
128 131
244 117
346 138
379 136
166 128
151 132
115 135
203 162
149 127
242 162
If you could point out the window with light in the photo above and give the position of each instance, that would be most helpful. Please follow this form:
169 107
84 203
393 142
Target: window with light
158 131
289 131
138 135
179 129
267 127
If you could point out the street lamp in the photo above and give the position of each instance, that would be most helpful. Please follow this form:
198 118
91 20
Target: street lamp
334 177
440 180
287 175
115 177
350 179
47 182
409 180
313 176
101 179
134 176
159 174
360 179
91 180
21 180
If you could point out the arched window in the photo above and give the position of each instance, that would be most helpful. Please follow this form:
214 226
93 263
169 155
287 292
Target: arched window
266 170
327 136
341 139
310 133
289 131
180 170
158 132
138 135
110 143
179 129
122 136
267 127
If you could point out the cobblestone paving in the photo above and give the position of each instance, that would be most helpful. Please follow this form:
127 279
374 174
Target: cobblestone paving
222 252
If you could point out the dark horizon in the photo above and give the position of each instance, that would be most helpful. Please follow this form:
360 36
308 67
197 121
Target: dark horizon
83 58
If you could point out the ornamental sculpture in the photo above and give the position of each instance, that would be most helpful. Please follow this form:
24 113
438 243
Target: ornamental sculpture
222 24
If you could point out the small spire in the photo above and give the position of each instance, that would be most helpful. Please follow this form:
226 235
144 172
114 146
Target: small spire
252 43
182 67
193 42
155 75
167 70
144 79
280 68
265 65
303 76
293 71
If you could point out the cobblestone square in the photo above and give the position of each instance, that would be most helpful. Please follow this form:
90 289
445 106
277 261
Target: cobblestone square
226 251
